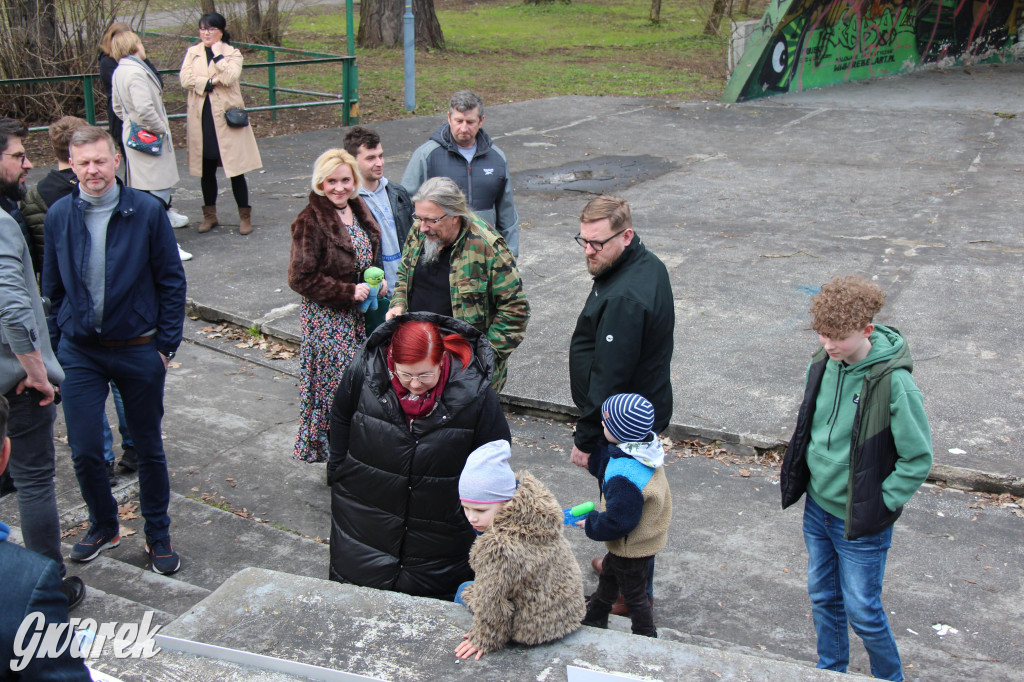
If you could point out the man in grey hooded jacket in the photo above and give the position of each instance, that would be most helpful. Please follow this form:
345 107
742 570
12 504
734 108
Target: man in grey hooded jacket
460 149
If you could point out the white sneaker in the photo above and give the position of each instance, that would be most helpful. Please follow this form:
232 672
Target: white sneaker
177 220
183 254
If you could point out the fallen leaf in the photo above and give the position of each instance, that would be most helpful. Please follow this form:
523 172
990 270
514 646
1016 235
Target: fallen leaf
745 473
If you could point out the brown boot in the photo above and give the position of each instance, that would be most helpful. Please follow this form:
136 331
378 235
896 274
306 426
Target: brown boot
245 224
209 218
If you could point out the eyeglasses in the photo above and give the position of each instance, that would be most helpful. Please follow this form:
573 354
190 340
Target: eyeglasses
429 221
20 156
422 378
208 29
596 245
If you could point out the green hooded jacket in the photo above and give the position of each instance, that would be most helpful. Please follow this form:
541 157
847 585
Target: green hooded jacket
862 446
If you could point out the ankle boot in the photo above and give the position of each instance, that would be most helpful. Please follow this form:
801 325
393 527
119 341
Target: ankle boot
245 224
209 218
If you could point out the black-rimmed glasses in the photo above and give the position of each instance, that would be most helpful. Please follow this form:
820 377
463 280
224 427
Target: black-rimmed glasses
593 243
20 156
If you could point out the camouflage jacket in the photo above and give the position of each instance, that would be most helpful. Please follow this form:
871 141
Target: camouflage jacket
486 289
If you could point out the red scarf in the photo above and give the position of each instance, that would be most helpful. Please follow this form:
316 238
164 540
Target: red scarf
418 406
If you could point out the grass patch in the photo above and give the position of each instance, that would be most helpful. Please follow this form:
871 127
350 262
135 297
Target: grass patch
513 52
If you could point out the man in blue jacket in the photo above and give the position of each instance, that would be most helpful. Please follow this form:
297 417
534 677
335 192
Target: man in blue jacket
112 273
462 151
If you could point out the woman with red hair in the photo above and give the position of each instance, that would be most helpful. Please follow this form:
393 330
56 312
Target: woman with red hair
409 410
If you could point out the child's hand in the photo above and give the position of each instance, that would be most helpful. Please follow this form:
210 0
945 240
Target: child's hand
582 523
466 649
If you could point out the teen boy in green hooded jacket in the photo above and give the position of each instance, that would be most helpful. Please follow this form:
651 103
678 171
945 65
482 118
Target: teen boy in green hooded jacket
861 449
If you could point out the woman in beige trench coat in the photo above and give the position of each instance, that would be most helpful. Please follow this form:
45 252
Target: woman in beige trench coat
137 97
210 73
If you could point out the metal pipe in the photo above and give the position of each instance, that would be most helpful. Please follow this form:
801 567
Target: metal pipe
409 45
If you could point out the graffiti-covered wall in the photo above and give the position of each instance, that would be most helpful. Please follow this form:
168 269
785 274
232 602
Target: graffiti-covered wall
804 44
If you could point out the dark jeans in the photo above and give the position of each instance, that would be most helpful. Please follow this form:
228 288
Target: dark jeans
628 577
32 467
139 374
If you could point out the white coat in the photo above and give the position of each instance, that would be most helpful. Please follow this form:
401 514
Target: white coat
137 96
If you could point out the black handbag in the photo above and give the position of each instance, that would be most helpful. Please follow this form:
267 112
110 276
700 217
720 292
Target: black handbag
237 118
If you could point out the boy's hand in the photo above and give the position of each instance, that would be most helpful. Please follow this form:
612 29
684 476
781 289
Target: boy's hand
466 649
582 523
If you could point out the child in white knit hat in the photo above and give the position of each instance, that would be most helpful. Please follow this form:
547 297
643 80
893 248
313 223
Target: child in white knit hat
528 586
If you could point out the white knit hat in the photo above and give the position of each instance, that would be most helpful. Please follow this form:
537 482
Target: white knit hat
487 476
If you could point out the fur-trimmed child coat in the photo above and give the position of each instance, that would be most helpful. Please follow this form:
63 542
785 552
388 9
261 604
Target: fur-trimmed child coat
528 586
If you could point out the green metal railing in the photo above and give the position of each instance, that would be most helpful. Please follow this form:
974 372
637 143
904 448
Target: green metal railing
348 99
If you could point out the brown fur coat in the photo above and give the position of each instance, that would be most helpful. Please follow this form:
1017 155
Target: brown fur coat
322 266
528 585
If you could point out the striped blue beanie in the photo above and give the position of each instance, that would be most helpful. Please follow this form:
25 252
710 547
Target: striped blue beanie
629 417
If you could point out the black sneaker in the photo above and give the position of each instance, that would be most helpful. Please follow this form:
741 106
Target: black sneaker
74 589
129 460
162 557
95 541
111 474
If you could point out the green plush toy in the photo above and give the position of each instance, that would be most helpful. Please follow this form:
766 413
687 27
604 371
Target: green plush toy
373 277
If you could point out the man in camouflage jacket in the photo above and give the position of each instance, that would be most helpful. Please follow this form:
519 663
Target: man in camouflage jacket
484 288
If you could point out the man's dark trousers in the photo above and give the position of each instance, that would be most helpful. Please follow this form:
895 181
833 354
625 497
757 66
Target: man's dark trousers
138 371
32 466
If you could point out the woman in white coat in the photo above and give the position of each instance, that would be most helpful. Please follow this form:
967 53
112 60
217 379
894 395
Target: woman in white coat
210 73
137 97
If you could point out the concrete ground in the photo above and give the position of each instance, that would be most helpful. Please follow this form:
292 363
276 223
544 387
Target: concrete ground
730 581
750 206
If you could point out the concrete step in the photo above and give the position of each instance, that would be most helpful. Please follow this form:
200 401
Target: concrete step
110 574
214 545
392 636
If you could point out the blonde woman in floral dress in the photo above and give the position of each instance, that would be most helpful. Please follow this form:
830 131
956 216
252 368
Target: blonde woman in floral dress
334 239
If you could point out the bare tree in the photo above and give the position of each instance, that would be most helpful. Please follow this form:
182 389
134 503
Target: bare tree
655 17
380 24
208 6
33 26
715 18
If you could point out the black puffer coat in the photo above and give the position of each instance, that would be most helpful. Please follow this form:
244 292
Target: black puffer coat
396 520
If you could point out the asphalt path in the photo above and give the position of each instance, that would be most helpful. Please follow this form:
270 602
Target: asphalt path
914 182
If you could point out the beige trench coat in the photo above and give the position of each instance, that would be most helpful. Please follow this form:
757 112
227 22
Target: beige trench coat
238 151
136 96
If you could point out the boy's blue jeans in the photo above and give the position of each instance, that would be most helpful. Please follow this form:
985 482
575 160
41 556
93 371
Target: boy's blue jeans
844 579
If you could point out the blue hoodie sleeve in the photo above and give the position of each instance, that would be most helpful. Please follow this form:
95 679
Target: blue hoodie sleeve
624 506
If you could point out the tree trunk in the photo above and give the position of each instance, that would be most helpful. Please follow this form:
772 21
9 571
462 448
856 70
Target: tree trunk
380 24
655 11
36 23
745 8
208 6
715 19
272 22
252 17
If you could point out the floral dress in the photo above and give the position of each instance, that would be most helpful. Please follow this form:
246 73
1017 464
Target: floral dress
330 340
